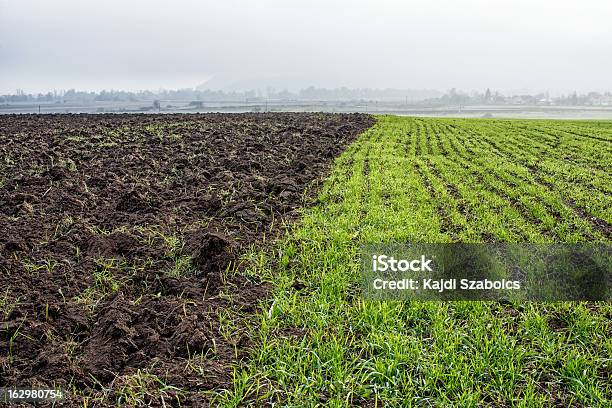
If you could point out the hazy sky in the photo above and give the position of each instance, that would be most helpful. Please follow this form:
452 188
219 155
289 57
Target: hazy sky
437 44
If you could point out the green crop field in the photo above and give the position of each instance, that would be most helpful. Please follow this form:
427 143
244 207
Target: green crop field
318 342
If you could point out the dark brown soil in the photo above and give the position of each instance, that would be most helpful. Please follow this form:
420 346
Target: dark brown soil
116 234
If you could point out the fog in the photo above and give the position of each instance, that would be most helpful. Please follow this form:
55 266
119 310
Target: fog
530 45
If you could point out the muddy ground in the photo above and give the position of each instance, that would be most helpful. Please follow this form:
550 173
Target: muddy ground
116 235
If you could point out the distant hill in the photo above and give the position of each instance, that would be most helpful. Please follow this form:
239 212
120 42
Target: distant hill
302 88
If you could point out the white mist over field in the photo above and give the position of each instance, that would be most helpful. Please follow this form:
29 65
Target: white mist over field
512 45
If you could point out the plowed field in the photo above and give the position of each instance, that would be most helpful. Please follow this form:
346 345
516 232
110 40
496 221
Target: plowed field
120 239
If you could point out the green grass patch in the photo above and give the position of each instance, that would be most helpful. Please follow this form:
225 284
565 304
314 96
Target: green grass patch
317 342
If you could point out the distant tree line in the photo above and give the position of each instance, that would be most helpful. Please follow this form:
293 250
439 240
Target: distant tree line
407 96
310 93
488 97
